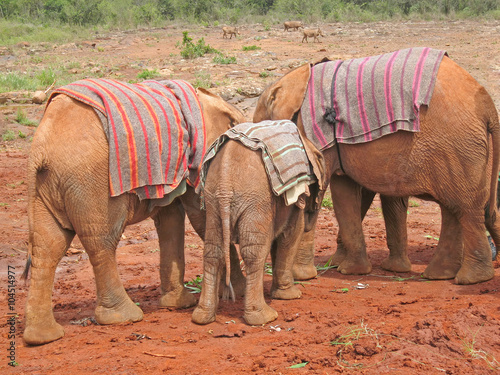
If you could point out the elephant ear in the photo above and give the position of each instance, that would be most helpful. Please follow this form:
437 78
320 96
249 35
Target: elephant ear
219 115
282 99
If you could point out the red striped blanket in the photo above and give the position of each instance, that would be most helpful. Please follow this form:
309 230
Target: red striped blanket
283 154
155 130
371 96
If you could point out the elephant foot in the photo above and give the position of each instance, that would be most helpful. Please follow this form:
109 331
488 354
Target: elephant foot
259 317
178 300
43 334
289 293
202 315
125 312
304 271
474 275
337 258
441 271
397 264
356 267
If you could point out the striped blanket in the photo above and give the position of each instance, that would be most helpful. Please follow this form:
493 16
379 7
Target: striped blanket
283 154
155 130
370 97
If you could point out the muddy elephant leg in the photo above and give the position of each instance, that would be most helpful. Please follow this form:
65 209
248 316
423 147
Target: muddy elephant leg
347 205
213 263
395 212
50 242
447 258
477 265
283 254
303 267
341 253
254 248
169 223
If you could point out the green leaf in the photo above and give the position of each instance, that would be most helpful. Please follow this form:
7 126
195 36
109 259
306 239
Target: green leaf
299 365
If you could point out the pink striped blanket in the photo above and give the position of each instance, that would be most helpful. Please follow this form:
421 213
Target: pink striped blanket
371 96
155 130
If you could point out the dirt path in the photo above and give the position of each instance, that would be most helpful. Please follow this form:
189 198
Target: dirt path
379 323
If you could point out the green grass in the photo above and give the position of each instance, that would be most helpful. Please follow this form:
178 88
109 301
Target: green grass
22 119
9 135
203 79
219 58
194 285
148 74
327 202
250 48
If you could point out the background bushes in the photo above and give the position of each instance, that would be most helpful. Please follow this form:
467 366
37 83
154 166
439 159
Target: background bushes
132 13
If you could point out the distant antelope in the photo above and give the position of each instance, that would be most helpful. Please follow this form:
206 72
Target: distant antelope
293 25
230 30
309 33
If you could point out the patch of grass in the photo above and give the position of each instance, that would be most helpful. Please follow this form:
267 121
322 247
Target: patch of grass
148 74
21 134
219 58
250 48
22 119
9 135
469 346
299 365
268 269
327 202
194 285
264 74
413 203
190 50
203 79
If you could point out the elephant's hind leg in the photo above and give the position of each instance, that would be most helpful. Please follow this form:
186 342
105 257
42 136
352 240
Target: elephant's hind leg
254 248
477 265
169 224
50 242
113 303
395 215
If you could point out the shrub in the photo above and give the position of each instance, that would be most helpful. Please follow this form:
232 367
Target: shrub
191 51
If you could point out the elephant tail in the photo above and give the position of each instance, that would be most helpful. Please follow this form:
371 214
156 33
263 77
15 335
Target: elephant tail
492 208
225 209
494 129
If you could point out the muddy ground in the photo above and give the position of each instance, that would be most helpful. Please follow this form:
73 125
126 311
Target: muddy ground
378 323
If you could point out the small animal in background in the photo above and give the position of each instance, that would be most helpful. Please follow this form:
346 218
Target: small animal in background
310 33
230 30
295 25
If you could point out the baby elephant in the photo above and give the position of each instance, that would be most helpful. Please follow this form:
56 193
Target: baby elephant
310 33
295 25
229 30
243 207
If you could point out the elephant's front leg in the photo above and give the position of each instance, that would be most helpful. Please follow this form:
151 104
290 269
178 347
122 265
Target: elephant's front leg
347 205
303 267
283 253
254 248
395 211
169 222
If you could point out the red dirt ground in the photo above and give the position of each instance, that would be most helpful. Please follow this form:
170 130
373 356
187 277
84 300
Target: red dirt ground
382 323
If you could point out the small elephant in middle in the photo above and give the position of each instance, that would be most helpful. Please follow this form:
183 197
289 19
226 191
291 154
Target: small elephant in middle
242 207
